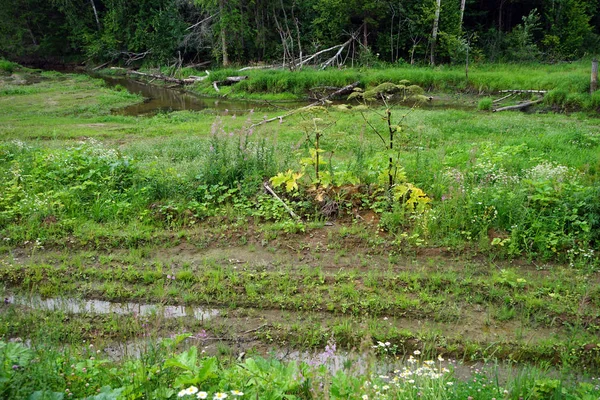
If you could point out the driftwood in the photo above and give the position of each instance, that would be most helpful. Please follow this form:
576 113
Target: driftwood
518 106
345 90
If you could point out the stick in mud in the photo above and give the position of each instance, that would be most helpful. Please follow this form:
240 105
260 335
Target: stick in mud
288 209
345 90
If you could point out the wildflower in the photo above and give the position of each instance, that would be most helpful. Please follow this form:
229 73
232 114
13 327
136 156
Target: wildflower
202 395
189 391
416 352
385 387
220 396
440 358
237 393
365 397
449 383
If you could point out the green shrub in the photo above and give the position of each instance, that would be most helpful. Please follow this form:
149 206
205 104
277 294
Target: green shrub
8 66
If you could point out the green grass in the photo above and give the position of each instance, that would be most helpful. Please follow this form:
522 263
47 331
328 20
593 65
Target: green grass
483 78
166 372
497 261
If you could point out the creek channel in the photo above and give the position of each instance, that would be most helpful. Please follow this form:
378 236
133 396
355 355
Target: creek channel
159 99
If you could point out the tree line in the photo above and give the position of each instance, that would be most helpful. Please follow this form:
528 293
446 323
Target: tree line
357 32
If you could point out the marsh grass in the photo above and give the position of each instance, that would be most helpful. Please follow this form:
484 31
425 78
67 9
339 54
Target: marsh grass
482 78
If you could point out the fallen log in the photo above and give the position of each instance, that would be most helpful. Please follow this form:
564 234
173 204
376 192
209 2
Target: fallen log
163 77
233 79
230 80
524 91
518 106
345 90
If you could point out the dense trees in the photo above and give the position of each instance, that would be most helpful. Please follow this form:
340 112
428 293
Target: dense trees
244 31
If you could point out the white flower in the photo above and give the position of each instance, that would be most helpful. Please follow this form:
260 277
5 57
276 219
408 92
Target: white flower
220 396
365 397
416 352
449 383
182 393
202 395
237 393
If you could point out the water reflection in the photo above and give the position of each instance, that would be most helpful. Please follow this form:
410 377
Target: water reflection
77 306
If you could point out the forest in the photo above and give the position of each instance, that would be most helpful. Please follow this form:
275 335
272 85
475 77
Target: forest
242 32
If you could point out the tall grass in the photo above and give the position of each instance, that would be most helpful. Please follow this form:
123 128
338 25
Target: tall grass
482 78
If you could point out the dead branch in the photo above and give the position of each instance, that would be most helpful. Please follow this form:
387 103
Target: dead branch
503 98
216 86
202 21
262 67
324 65
345 90
198 65
525 91
101 66
518 106
288 209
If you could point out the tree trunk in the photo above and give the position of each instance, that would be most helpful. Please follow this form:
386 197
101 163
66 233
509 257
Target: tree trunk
594 80
95 13
462 14
223 35
436 22
365 34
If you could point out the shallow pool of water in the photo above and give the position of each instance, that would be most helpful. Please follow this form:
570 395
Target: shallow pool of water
77 306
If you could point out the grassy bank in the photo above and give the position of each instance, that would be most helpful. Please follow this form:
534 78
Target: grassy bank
568 82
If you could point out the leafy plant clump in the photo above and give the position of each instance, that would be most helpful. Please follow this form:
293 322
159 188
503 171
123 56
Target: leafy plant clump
163 372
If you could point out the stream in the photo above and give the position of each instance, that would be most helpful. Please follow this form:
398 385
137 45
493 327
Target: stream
159 99
165 99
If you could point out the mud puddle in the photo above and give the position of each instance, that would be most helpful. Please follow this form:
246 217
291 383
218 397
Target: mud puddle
78 306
